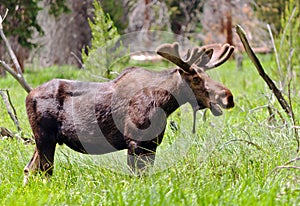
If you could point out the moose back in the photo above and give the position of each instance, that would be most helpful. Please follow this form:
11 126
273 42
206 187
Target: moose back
128 112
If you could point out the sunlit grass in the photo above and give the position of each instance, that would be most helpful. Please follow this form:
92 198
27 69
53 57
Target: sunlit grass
229 161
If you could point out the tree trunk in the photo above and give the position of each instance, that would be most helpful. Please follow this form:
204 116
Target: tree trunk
229 34
63 35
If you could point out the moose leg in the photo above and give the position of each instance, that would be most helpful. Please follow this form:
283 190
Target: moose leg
42 159
46 154
139 158
32 166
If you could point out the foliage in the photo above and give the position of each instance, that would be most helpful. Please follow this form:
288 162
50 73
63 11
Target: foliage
270 12
230 161
117 12
21 19
58 7
185 15
288 44
107 50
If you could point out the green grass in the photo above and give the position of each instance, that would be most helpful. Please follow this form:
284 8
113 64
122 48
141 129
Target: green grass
229 161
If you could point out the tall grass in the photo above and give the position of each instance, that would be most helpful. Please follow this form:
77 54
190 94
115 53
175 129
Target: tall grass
229 161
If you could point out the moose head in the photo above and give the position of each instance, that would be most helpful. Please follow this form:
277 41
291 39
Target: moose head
209 93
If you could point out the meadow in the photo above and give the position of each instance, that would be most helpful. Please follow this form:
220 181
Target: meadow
230 160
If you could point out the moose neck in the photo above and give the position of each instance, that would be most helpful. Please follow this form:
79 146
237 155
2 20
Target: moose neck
172 92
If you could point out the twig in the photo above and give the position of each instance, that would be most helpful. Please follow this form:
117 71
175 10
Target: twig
22 82
275 50
242 140
11 53
290 76
2 19
10 102
287 25
287 166
279 114
292 160
78 60
10 108
293 117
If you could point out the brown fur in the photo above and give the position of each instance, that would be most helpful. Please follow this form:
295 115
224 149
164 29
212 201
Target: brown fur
124 113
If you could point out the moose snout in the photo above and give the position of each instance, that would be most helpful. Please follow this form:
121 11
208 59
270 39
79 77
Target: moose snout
225 99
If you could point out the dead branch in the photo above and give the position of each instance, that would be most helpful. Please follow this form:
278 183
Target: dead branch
10 108
17 75
287 107
13 115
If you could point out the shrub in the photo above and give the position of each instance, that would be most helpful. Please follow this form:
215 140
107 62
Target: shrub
107 50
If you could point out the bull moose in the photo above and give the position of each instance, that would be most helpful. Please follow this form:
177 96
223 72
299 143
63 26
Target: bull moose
128 112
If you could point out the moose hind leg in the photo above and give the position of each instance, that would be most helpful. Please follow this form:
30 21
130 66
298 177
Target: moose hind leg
42 159
46 150
32 166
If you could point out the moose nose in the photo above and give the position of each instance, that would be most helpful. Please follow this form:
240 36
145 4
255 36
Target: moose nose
225 99
230 101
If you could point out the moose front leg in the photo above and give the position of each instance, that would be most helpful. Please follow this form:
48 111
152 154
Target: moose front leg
141 143
139 156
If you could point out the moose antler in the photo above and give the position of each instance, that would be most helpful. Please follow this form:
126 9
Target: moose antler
207 57
221 53
171 52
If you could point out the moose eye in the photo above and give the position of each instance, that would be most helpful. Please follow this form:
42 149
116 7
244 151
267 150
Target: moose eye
196 80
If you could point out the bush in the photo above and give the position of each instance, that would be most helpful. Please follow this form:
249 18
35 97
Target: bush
107 51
